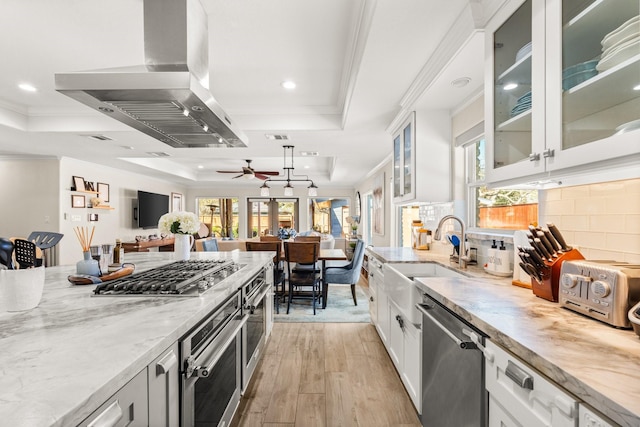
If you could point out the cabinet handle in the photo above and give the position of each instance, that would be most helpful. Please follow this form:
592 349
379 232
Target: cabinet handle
400 321
371 299
166 363
548 153
519 376
109 417
534 157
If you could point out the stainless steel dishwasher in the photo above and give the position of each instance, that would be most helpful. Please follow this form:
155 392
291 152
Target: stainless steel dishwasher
453 393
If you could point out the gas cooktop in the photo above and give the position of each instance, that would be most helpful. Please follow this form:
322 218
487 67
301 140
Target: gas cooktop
180 278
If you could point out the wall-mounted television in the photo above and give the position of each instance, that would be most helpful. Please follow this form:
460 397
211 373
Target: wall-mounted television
151 207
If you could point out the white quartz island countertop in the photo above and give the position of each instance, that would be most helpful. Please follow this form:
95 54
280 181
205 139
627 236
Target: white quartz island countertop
598 364
61 360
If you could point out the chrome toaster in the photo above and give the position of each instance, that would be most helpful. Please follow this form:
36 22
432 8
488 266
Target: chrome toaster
603 290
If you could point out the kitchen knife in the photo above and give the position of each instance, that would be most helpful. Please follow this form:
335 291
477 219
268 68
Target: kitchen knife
547 244
556 247
537 246
6 252
535 257
543 251
558 236
531 271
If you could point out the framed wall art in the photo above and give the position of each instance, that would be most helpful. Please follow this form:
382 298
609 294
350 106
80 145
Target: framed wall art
77 201
378 204
103 192
78 183
176 202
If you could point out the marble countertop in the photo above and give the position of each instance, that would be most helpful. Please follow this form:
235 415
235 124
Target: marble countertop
61 360
598 364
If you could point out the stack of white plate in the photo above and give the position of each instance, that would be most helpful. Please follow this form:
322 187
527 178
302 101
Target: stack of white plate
524 51
522 104
620 44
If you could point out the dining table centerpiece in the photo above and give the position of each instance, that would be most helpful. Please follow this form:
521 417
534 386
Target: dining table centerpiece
183 225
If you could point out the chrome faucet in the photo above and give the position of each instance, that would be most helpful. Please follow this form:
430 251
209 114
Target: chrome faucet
462 255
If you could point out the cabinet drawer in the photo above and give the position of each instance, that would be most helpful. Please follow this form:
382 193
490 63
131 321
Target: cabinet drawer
128 407
525 395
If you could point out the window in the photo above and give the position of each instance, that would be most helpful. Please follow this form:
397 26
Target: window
268 216
407 215
507 209
329 215
219 215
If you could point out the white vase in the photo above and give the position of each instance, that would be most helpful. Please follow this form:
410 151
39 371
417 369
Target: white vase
182 246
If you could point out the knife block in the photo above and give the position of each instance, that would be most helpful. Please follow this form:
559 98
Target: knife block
548 289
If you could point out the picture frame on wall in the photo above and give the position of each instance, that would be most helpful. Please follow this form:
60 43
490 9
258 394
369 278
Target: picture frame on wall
78 201
103 191
78 183
88 186
378 204
176 202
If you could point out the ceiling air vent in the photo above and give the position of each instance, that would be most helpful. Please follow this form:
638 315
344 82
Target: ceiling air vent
157 154
310 153
275 137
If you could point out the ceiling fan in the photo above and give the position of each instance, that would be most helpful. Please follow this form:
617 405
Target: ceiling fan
248 172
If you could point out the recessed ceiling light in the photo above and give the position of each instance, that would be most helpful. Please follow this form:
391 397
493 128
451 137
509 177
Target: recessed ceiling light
510 86
99 137
288 84
127 147
27 87
306 166
461 82
200 167
636 87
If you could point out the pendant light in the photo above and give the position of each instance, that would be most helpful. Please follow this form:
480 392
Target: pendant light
290 177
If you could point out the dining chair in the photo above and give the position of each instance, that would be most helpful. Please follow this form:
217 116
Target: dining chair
303 253
306 239
278 269
339 272
210 245
269 239
302 266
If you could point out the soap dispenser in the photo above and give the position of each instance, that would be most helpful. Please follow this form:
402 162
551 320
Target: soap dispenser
502 259
491 257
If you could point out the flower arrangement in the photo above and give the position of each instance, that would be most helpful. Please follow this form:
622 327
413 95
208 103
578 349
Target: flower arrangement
353 221
287 233
179 223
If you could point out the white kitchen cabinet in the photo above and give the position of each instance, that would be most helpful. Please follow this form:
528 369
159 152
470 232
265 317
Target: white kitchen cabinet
405 349
590 418
379 306
127 407
383 324
562 116
519 396
164 389
421 158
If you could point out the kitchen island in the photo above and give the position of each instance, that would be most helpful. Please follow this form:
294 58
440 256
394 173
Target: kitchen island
596 363
63 359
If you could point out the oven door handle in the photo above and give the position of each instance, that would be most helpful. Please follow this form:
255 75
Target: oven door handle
256 300
202 370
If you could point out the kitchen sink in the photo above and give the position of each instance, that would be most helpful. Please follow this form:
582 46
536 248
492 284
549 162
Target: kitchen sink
401 289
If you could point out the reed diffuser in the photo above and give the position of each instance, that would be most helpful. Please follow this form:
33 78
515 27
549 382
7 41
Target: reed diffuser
87 265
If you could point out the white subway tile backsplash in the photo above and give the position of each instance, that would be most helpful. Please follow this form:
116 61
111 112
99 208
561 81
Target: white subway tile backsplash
560 207
602 220
607 223
575 223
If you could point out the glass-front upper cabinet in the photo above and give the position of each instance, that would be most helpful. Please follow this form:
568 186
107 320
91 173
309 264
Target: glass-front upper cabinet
515 76
593 80
404 151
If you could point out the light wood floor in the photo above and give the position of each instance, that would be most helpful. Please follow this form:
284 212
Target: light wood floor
325 374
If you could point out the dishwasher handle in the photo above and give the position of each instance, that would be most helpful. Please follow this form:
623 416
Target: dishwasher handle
465 345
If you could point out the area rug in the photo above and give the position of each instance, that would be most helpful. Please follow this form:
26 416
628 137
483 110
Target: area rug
340 308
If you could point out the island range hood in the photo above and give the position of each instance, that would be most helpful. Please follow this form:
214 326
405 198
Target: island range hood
168 97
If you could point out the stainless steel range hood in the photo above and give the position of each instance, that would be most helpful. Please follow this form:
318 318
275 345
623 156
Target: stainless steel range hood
168 98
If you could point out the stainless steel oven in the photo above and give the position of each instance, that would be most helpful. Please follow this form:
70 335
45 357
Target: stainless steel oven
211 358
255 294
